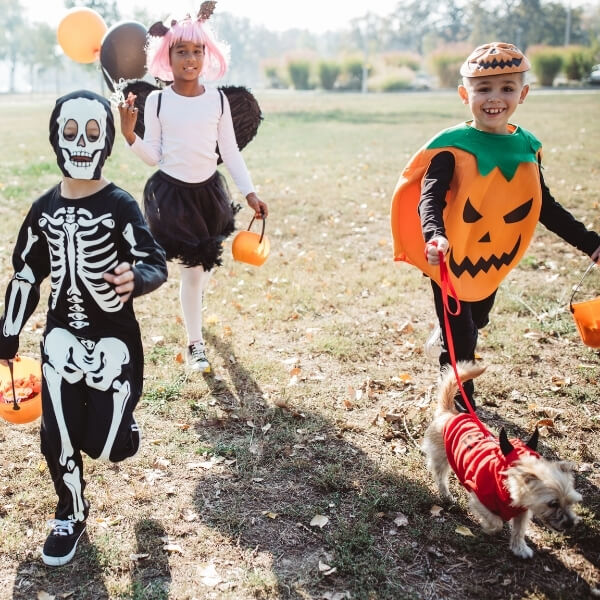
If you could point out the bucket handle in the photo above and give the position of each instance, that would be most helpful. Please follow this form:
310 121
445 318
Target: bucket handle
592 264
264 222
12 382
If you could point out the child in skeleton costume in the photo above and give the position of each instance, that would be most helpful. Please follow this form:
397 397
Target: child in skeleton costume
186 202
90 238
475 193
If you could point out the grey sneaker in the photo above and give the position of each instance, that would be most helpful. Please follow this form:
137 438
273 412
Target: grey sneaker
433 345
196 358
61 544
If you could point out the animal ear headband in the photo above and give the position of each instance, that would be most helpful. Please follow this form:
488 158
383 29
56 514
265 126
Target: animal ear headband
497 58
159 29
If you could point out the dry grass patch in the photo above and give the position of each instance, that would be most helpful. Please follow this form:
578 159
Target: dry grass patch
320 391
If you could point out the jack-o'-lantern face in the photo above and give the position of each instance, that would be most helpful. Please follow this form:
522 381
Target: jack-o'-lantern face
489 232
497 58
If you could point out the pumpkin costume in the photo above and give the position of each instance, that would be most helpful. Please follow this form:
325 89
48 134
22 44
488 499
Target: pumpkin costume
485 193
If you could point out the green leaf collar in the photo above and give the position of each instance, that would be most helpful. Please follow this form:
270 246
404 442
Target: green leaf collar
491 150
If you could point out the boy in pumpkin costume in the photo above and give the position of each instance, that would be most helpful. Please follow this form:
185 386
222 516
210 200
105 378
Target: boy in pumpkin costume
475 192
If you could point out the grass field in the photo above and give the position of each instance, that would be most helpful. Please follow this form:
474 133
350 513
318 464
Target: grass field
320 391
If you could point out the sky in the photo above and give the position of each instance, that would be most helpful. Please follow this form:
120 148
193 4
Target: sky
315 15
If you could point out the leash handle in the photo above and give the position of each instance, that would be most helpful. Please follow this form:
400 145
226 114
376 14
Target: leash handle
447 285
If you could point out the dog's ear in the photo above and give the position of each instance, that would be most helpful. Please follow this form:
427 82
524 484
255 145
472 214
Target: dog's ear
505 446
532 442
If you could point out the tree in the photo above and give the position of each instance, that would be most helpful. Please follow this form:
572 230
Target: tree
12 33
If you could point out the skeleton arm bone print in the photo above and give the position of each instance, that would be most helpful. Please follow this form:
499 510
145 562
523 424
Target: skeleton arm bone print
31 267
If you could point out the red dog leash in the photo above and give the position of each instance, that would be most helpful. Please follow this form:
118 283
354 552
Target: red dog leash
447 286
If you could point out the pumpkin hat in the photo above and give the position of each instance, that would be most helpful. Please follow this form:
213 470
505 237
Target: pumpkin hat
497 58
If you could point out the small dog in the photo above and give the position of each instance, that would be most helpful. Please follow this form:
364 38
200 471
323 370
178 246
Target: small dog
507 480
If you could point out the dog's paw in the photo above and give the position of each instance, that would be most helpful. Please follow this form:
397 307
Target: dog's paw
521 549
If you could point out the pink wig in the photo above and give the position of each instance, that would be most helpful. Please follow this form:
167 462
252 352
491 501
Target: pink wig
187 30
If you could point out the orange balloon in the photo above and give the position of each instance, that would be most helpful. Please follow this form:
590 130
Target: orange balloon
80 34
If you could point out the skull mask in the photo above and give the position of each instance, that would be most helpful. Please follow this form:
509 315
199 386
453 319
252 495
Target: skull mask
82 134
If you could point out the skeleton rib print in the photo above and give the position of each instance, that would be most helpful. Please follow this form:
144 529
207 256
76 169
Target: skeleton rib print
90 252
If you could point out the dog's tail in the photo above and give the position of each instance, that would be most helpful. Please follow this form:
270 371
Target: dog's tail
448 387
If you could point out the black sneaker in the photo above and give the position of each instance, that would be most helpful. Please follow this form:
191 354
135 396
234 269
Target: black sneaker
61 544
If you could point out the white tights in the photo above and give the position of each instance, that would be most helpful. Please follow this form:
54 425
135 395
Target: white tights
191 291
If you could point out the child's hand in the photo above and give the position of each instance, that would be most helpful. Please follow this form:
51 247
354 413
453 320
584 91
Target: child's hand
259 207
433 248
128 114
122 280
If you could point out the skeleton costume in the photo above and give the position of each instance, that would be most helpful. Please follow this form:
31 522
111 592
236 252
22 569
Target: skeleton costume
92 356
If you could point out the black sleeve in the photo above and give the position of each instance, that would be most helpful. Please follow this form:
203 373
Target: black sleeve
436 182
145 254
31 265
559 220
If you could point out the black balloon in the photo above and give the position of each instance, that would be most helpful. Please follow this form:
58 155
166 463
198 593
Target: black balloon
123 52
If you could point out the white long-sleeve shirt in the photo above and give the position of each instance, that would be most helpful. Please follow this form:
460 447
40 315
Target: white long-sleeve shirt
182 139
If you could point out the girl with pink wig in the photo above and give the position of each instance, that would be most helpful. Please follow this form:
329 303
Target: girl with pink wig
186 202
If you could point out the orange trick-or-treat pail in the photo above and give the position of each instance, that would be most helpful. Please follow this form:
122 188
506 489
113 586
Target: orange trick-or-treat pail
23 379
250 247
587 317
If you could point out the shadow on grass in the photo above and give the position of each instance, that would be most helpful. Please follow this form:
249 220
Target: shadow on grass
83 573
151 574
290 467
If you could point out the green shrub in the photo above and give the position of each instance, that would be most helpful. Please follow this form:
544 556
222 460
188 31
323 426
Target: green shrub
299 72
352 74
546 63
578 62
328 73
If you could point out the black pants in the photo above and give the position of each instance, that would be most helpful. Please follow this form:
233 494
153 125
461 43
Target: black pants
82 413
465 331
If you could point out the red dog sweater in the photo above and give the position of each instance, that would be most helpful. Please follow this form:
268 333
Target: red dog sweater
480 464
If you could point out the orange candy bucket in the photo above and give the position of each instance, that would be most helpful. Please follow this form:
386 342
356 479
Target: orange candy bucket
250 247
587 316
23 379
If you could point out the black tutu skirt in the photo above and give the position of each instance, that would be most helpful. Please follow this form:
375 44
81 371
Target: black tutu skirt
190 220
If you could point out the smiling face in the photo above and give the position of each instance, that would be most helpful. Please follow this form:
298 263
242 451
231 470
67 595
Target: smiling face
493 99
187 60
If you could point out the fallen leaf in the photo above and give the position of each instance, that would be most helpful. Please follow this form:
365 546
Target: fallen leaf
179 358
209 576
173 548
45 596
436 510
401 520
326 569
271 515
319 521
137 557
266 427
462 530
